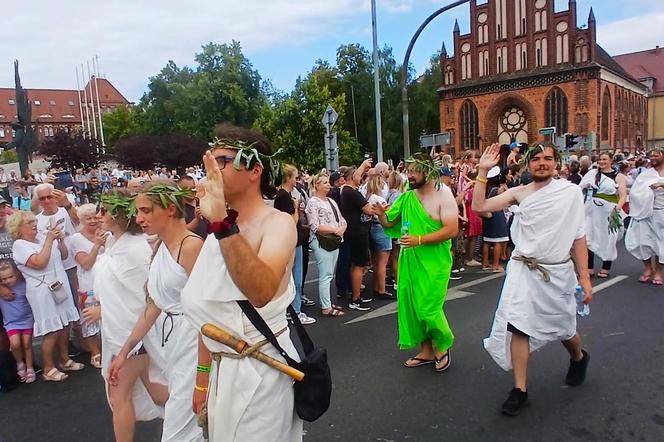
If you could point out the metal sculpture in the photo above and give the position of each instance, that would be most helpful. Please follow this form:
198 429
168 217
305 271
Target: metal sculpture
25 138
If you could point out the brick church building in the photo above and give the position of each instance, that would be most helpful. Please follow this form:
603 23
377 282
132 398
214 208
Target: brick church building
523 67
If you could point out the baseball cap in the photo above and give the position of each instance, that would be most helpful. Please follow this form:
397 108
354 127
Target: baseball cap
446 171
334 177
493 172
514 145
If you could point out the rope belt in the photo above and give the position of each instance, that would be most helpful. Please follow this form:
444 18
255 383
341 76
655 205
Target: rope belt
164 336
534 264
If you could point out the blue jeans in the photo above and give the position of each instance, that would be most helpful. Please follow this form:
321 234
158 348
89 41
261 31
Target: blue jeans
326 262
343 269
297 279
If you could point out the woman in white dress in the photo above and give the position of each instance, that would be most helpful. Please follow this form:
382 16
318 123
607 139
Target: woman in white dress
119 285
87 246
160 211
605 194
47 290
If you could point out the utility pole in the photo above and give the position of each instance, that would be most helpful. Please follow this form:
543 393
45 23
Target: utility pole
379 130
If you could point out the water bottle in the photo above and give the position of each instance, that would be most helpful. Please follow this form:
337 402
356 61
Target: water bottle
405 228
582 309
90 329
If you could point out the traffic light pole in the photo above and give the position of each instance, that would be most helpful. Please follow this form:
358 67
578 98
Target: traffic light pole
404 73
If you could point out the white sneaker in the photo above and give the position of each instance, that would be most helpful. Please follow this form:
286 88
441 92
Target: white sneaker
305 320
473 263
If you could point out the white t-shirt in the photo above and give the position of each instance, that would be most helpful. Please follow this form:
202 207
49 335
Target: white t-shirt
383 193
62 221
77 244
376 199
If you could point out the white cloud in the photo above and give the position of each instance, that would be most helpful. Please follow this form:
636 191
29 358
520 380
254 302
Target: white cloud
134 39
632 34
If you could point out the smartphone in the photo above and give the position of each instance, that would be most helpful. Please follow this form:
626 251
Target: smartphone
367 156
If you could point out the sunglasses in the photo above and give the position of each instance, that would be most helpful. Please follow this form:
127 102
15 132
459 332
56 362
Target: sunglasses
47 197
222 160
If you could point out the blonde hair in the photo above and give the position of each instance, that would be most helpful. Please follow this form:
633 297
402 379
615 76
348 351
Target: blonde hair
395 181
289 171
374 185
85 210
16 220
316 179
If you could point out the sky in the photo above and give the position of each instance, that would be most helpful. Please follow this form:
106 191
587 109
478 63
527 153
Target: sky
134 39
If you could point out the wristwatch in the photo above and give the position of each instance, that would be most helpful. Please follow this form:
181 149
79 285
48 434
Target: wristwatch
225 228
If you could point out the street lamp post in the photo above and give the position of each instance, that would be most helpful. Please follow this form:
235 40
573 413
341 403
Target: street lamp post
404 73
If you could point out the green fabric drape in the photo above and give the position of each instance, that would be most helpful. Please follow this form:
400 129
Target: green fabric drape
424 273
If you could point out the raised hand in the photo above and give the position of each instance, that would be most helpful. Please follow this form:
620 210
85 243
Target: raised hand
211 192
60 197
490 157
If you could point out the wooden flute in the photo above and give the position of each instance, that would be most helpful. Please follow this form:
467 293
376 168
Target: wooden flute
220 335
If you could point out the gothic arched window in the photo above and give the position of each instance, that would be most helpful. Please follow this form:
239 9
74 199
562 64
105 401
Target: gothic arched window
470 128
555 110
606 115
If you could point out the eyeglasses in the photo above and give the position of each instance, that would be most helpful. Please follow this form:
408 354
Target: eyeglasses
47 197
222 160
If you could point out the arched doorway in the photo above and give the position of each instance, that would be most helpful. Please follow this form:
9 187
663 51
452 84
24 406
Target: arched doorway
512 125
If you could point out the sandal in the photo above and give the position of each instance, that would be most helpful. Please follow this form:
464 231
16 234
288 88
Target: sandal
418 362
603 274
332 312
657 282
30 376
95 361
442 368
70 365
645 278
20 371
498 270
54 375
337 307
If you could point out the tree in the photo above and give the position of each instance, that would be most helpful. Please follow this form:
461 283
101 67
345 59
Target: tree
121 122
71 151
174 151
294 125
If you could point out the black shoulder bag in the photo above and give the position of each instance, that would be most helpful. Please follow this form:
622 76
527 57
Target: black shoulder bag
329 241
312 394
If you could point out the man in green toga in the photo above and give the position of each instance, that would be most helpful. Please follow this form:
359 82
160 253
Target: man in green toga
424 219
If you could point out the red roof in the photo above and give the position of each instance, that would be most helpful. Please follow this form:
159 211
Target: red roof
645 64
59 106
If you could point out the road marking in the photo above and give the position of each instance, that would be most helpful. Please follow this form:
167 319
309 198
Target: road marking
452 294
456 293
609 283
311 281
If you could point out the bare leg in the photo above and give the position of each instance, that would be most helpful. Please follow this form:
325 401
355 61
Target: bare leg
92 344
121 400
520 349
573 347
356 275
380 270
26 343
485 254
49 342
470 248
63 345
657 269
16 348
394 256
158 392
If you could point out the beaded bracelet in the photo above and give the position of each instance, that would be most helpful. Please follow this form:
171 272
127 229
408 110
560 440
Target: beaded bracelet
203 368
199 388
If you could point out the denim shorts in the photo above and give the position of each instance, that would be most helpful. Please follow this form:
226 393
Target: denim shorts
380 242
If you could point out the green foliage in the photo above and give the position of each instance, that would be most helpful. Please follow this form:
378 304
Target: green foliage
144 151
71 151
8 157
121 122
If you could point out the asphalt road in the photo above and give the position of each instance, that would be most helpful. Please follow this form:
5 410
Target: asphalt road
376 399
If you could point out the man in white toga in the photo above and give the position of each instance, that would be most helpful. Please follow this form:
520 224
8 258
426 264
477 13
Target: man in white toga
537 304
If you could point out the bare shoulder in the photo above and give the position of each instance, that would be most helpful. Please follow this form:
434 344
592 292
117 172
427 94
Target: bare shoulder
519 193
277 219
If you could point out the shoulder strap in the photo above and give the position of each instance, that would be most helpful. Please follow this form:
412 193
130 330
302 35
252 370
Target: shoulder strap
180 248
334 210
257 320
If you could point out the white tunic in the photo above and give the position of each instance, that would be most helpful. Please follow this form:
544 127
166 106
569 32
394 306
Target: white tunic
600 241
247 399
49 316
645 236
62 221
180 341
546 224
119 285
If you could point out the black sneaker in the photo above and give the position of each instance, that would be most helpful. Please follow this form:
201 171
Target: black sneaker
367 299
577 370
515 402
307 302
455 277
387 296
389 282
358 305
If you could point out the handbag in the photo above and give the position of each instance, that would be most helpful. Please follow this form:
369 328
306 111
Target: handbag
313 393
329 241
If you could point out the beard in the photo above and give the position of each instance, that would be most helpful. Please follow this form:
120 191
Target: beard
416 184
539 178
655 162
